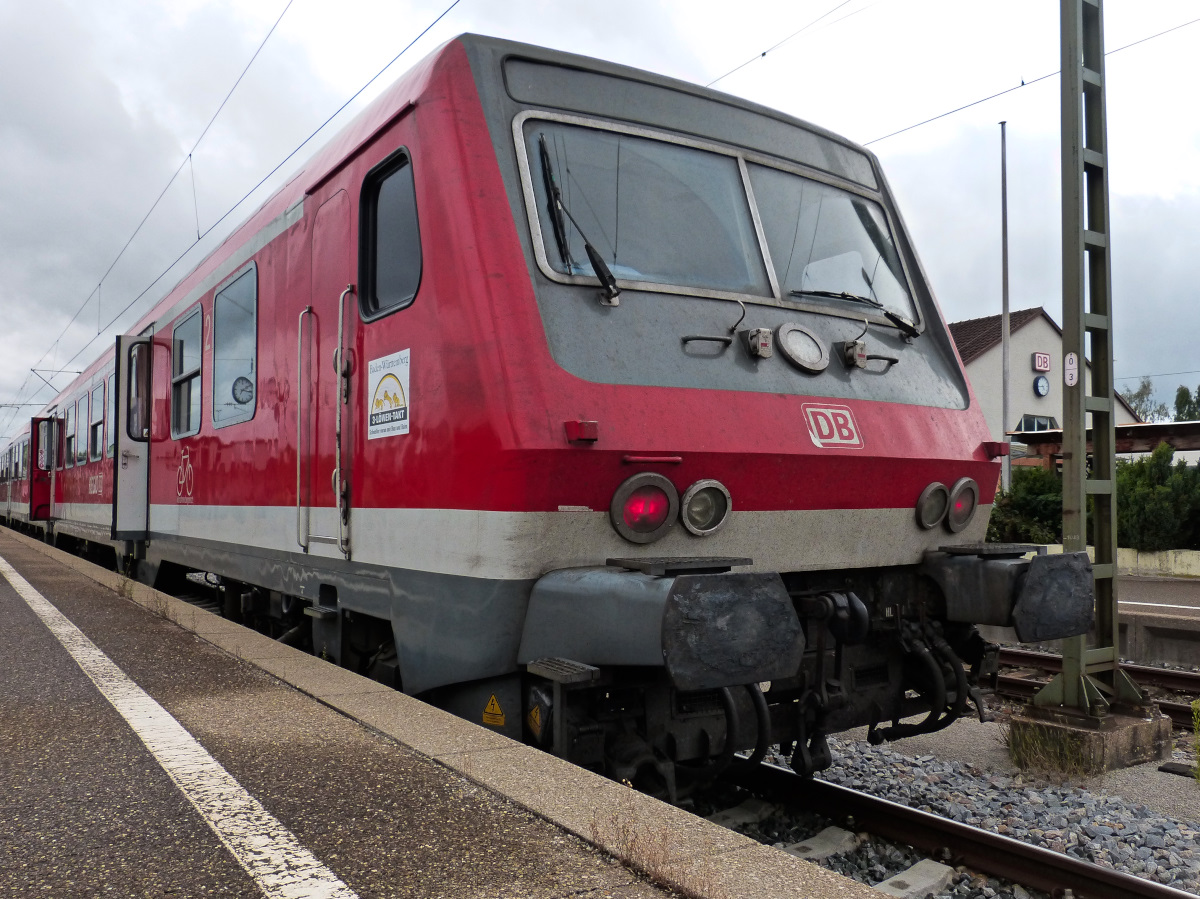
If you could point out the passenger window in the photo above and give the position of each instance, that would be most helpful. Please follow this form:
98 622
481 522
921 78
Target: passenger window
81 429
43 457
96 429
110 416
235 352
69 430
185 377
391 241
137 416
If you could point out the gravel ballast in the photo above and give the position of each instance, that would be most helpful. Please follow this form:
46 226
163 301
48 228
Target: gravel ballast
1077 820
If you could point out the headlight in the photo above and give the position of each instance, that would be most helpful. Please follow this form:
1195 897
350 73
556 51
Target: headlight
706 507
932 506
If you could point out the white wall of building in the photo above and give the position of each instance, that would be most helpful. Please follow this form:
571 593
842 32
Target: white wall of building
985 374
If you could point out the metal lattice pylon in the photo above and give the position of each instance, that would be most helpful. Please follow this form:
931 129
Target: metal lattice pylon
1091 678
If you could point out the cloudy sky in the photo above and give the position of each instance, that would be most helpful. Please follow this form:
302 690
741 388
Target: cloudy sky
101 101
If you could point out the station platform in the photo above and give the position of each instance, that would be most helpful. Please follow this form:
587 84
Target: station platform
149 748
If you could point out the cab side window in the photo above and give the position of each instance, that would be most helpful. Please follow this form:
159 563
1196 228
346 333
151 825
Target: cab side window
185 376
391 240
235 351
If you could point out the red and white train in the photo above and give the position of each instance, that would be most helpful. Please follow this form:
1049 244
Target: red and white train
579 401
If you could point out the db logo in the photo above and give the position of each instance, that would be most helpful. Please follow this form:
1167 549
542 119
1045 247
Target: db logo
832 426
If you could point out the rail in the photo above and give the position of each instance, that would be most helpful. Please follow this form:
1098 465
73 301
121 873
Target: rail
990 853
1173 679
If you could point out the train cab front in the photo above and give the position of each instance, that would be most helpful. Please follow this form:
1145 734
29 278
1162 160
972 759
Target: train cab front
658 671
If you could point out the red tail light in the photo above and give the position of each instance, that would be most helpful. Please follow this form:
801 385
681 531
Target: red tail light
644 507
964 498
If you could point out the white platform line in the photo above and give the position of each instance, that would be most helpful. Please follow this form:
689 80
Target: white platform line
1157 605
282 868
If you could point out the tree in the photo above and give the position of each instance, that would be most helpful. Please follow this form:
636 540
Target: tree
1141 401
1158 504
1187 404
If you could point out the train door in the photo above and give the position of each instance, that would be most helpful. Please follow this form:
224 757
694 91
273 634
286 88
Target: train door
43 440
325 400
131 452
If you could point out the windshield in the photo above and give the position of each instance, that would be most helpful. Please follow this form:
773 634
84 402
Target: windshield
677 215
825 239
655 211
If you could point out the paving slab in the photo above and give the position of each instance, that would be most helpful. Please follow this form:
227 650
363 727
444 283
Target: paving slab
486 782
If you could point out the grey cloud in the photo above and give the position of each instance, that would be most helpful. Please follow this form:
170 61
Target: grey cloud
951 202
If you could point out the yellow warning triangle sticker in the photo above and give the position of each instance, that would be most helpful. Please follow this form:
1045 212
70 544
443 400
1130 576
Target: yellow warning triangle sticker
535 721
493 715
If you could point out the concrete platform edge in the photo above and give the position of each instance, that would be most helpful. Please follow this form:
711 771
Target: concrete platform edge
673 848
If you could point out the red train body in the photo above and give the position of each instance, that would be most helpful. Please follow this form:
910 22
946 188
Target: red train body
404 422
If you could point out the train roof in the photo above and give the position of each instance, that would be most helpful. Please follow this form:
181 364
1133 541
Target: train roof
407 89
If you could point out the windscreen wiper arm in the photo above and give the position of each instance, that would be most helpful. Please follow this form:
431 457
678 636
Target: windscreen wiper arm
608 284
901 323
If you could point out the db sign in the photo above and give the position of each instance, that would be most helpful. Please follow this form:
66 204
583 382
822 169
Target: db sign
830 426
1041 362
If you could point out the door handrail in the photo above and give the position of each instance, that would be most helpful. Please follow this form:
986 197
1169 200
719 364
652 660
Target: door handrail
302 535
343 397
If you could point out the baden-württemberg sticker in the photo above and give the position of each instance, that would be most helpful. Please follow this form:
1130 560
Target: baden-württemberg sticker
387 387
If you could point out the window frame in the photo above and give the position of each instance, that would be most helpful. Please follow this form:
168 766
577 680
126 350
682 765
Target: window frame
368 230
81 430
110 417
69 424
95 447
1033 417
745 156
195 374
250 269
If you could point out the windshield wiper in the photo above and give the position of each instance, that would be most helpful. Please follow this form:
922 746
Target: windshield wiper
608 284
901 323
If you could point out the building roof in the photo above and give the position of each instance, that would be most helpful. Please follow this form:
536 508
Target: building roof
976 336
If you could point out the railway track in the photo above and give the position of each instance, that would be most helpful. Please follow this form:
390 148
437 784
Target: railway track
958 844
1173 680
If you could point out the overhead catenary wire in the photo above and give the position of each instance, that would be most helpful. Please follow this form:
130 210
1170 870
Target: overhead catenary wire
1166 374
186 161
264 180
757 56
244 197
1023 83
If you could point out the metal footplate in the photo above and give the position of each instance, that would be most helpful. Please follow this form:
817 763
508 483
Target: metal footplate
680 565
321 613
563 671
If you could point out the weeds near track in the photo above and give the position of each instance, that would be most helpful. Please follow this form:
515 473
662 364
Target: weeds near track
1059 756
648 849
1196 738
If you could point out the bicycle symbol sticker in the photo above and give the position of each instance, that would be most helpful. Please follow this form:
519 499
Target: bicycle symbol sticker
185 478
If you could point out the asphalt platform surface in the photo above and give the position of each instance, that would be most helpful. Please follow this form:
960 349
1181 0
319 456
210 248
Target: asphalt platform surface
387 796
